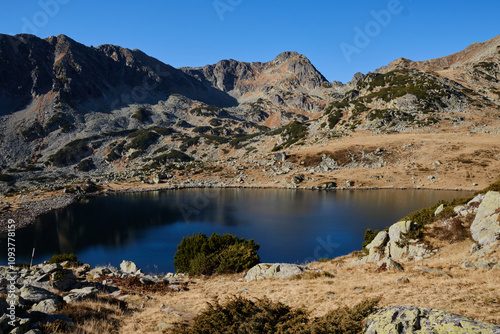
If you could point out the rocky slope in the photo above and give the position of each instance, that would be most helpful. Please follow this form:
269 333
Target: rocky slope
71 112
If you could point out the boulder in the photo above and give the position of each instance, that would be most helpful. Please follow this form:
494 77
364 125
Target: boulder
274 270
389 264
486 227
64 280
395 237
128 267
403 280
76 295
439 210
408 319
35 295
375 248
47 306
49 268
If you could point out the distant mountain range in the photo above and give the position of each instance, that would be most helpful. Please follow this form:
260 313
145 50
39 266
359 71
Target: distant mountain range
69 109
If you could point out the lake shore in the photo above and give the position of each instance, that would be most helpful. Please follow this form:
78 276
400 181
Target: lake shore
24 209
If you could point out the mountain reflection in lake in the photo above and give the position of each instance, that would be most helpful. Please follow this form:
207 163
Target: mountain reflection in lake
291 226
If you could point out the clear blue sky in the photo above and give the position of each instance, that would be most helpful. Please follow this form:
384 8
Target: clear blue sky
195 33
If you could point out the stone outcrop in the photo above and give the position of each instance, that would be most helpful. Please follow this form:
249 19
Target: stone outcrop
408 319
486 226
393 244
274 270
38 295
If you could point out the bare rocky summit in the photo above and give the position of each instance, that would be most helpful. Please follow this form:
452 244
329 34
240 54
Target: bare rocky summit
71 112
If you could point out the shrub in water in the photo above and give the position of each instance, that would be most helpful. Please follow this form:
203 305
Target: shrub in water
222 254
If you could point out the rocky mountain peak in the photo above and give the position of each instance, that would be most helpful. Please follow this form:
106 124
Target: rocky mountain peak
284 56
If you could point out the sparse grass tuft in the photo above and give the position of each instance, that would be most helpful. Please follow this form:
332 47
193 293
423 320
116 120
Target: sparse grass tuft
99 315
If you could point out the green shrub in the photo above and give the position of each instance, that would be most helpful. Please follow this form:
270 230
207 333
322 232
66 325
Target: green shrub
141 115
369 236
85 165
202 129
6 178
334 118
58 258
58 121
292 133
142 139
241 315
72 153
188 142
202 255
423 217
173 156
163 131
239 141
492 187
33 132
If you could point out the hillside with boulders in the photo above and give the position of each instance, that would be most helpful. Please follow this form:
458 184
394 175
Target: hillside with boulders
72 113
437 267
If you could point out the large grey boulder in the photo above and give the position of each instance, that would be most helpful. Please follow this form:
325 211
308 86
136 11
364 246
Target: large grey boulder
408 319
274 270
396 233
376 247
486 227
64 280
129 267
80 294
34 294
47 306
49 268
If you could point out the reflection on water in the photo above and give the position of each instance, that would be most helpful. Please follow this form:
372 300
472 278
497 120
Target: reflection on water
290 226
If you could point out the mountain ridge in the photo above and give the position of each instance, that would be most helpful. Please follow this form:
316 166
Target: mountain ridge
68 108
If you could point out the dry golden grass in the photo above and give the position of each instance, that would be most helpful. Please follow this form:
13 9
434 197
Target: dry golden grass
102 314
474 294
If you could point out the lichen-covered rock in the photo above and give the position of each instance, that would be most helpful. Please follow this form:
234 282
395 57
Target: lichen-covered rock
389 264
375 248
274 270
34 294
76 295
128 267
396 232
408 319
486 227
47 306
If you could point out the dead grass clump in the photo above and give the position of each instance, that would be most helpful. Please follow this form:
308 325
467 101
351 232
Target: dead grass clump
134 285
454 230
308 160
99 315
314 274
241 315
341 157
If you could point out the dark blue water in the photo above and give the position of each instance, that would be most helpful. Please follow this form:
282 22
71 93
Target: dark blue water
290 226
